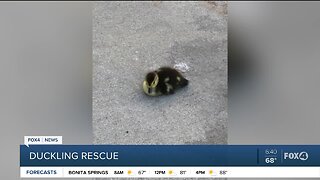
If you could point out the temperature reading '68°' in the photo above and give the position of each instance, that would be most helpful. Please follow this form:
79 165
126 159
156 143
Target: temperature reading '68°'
270 160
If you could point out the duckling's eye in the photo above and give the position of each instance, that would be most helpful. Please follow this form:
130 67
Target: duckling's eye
153 84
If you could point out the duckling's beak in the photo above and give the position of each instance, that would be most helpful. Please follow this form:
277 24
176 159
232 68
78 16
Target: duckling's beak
149 90
146 89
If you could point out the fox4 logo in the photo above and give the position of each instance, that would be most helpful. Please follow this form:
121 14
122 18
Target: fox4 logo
303 156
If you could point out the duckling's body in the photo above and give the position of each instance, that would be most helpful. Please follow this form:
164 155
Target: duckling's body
163 81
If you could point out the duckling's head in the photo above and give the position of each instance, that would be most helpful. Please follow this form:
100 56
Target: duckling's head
150 84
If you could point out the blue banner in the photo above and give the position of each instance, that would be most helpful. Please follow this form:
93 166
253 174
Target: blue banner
170 155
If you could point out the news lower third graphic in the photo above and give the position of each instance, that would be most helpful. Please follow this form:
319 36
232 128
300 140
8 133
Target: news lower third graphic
46 156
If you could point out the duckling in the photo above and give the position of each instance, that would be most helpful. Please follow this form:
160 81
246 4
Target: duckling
163 81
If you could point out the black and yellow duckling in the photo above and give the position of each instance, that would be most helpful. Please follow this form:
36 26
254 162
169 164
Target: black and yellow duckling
163 81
